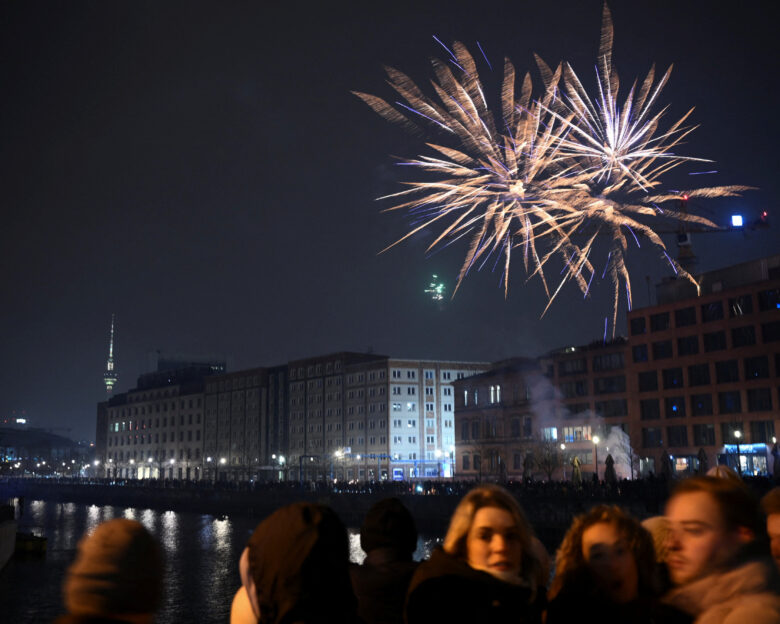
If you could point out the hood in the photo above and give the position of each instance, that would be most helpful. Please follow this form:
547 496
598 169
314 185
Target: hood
299 562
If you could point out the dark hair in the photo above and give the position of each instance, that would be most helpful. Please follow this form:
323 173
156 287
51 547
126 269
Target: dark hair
388 524
570 565
737 505
770 504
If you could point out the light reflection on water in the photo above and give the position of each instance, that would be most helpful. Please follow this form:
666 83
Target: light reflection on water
93 518
201 565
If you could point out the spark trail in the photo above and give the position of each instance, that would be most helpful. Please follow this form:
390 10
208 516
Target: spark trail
551 176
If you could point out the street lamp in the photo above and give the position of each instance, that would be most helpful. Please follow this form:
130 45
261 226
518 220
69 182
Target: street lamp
437 454
738 436
338 454
563 460
596 441
452 460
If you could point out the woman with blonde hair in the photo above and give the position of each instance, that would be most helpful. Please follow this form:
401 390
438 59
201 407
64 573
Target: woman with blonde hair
606 569
487 570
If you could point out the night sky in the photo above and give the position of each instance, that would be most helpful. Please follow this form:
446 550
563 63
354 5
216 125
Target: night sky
203 171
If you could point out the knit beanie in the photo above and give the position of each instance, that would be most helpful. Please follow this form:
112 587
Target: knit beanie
118 569
389 524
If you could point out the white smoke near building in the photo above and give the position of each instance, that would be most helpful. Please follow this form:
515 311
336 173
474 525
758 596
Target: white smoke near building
550 412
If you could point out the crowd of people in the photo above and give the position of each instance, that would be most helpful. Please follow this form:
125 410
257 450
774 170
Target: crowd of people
712 558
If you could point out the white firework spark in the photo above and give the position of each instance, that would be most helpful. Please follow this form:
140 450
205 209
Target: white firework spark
558 173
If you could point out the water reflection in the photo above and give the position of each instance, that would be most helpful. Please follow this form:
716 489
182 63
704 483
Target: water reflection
219 557
149 520
356 553
93 518
423 550
222 530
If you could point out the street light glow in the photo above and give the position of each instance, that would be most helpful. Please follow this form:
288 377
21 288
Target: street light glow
222 460
596 439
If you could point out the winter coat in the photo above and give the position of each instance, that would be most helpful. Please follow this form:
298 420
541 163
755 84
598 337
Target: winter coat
446 589
575 606
380 585
746 594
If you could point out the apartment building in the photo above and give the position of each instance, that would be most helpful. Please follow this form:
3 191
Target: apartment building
527 416
368 417
155 430
703 373
156 433
236 427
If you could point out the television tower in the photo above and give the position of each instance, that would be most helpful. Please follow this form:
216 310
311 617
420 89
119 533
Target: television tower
110 377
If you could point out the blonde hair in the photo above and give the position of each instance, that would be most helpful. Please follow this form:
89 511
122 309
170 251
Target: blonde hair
492 496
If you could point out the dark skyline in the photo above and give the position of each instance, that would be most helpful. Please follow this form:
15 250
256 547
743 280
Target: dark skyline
203 171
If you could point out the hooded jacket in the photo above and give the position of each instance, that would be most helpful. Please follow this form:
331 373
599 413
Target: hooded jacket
389 538
298 560
446 589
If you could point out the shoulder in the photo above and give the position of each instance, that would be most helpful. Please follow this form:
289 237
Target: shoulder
445 588
759 608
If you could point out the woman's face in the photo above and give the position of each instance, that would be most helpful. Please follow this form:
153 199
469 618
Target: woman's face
608 556
493 542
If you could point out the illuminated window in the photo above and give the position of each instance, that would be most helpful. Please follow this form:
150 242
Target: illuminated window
549 433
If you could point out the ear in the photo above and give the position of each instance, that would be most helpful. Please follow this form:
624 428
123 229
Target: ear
745 535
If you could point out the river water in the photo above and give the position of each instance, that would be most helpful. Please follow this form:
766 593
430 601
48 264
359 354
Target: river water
201 554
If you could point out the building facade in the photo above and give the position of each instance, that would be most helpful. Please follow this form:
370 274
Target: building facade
236 426
369 417
703 372
529 417
156 430
696 381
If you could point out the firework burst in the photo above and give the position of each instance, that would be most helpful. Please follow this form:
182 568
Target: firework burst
556 174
